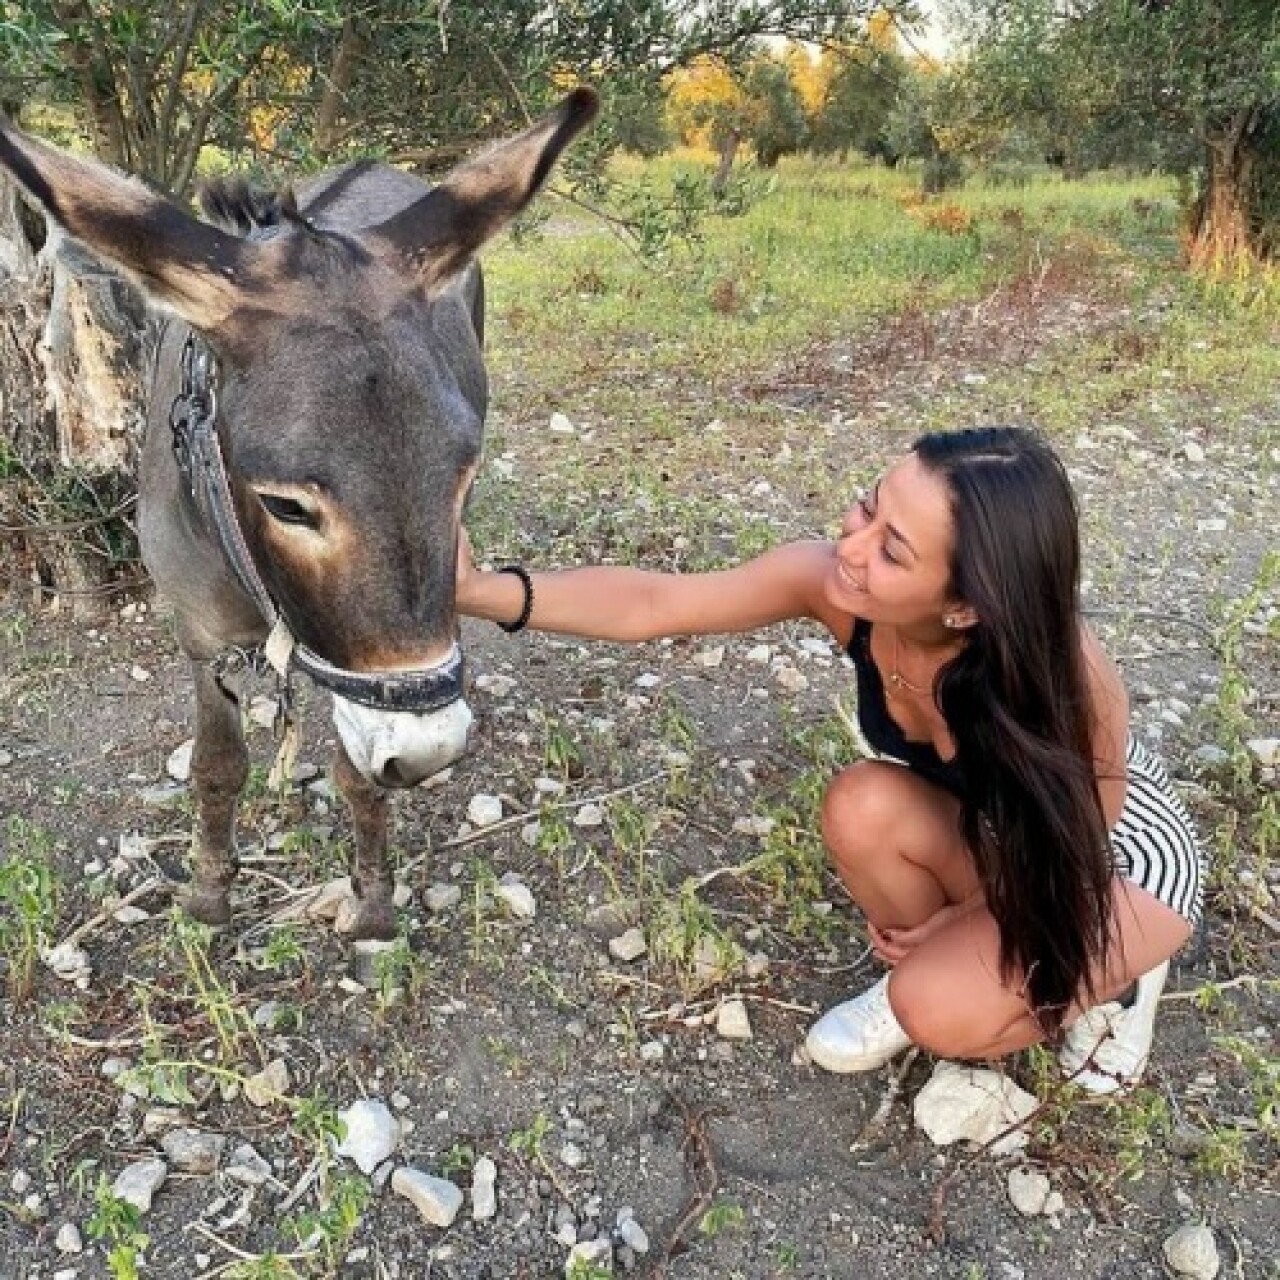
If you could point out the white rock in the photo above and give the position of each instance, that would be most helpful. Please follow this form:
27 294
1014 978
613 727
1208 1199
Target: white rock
590 815
517 897
329 901
193 1151
484 1196
1266 751
1192 1251
647 680
268 1085
709 658
732 1022
69 962
1192 452
754 825
590 1256
246 1166
68 1239
263 711
975 1105
20 1183
572 1155
760 654
628 946
440 897
178 765
373 1133
484 811
633 1235
792 679
436 1199
140 674
498 685
1029 1190
561 424
137 1183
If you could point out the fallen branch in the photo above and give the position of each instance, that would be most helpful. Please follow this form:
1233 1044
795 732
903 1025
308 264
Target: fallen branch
105 916
873 1126
701 1164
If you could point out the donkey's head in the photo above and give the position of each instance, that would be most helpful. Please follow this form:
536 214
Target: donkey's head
351 397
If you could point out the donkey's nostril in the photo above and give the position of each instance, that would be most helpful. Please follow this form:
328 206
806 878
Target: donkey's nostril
393 774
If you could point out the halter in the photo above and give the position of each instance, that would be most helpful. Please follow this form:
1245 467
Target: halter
198 453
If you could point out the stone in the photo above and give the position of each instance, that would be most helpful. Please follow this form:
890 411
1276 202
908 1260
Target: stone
975 1105
732 1022
1029 1190
269 1085
571 1155
589 815
628 946
1266 751
441 897
436 1199
1192 1251
178 765
372 1134
329 899
193 1151
588 1256
484 810
247 1167
69 962
484 1196
137 1183
633 1235
517 897
68 1239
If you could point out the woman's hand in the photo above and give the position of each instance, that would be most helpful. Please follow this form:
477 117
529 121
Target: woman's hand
894 945
466 572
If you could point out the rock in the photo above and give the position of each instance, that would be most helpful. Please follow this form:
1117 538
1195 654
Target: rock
162 795
329 900
1266 751
1029 1190
1192 1251
178 765
561 424
440 897
1193 452
138 1183
633 1235
263 711
484 1197
732 1022
975 1105
498 685
373 1133
589 1257
517 896
247 1167
436 1199
69 962
571 1155
192 1151
1210 759
269 1085
20 1183
484 810
792 679
628 946
610 918
590 815
68 1239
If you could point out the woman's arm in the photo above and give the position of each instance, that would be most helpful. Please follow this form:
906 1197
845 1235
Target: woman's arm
1109 704
607 603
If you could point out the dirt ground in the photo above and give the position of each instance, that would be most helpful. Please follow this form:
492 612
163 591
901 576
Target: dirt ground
510 1038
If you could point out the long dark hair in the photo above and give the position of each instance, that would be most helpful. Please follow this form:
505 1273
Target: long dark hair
1016 700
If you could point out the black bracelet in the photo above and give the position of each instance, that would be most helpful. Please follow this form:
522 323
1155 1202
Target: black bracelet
519 571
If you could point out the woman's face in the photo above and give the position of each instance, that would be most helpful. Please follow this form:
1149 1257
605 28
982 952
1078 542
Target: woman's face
894 552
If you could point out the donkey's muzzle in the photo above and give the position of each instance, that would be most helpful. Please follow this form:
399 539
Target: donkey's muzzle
401 748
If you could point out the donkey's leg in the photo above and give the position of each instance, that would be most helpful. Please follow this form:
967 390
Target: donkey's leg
375 917
219 767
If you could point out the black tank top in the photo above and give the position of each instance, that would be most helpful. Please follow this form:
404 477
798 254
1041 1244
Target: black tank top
880 729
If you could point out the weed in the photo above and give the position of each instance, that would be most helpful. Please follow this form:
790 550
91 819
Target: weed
118 1224
400 972
284 949
459 1159
231 1024
29 895
560 754
332 1225
686 938
267 1266
723 1215
1137 1123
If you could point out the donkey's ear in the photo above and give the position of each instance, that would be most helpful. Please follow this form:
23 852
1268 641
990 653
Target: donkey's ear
190 267
439 233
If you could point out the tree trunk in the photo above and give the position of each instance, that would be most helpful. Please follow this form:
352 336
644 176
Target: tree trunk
1222 236
75 348
728 153
334 99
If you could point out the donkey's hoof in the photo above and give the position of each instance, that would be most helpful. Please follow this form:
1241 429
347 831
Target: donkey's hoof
209 906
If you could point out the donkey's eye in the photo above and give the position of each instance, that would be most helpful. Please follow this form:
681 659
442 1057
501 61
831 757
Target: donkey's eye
287 510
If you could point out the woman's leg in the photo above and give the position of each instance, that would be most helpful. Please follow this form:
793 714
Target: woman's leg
949 997
896 844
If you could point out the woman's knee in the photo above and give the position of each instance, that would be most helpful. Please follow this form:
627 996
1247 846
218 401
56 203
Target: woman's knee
859 810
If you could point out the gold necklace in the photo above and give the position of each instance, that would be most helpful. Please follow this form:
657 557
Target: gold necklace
896 678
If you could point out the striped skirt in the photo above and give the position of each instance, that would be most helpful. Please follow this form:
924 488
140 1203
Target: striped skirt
1154 841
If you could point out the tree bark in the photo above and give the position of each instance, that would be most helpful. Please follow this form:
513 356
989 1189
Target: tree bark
728 153
76 343
1222 233
334 99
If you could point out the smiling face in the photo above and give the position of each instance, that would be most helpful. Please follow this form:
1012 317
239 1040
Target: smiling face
893 556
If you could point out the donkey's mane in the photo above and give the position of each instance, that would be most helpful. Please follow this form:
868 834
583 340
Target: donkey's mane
237 206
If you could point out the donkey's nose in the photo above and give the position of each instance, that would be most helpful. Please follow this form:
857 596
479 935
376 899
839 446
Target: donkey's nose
400 748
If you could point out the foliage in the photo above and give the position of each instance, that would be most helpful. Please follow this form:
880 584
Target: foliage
863 85
28 902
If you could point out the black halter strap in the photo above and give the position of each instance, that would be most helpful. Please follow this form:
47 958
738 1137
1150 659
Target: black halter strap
193 421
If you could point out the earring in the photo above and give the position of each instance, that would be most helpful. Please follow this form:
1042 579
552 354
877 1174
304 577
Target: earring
950 621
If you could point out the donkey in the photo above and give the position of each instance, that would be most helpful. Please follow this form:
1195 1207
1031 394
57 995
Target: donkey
313 429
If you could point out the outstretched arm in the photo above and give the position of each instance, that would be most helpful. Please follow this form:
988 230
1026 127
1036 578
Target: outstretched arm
607 603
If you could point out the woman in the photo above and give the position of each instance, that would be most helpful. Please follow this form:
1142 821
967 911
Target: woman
1020 859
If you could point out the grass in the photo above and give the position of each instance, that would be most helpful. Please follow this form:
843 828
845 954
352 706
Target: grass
29 890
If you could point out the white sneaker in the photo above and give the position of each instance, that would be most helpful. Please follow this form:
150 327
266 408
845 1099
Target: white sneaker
859 1035
1107 1047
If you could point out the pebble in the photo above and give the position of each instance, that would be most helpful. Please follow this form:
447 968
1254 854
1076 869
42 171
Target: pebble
20 1183
1192 1251
973 1104
732 1022
484 810
436 1199
589 1255
137 1183
1266 751
517 896
373 1133
193 1151
484 1197
590 815
572 1156
1029 1190
68 1239
633 1235
247 1167
628 946
440 897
